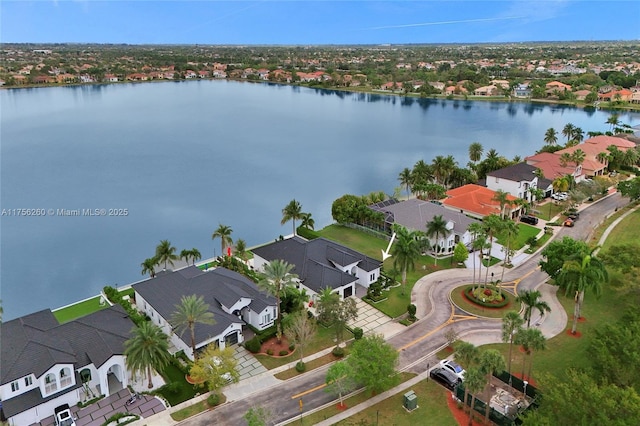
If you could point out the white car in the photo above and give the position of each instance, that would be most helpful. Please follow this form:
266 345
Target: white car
454 367
63 417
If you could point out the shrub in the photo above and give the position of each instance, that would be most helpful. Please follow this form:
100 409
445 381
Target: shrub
309 234
253 345
411 310
300 367
358 333
171 387
338 352
269 352
292 346
284 352
213 399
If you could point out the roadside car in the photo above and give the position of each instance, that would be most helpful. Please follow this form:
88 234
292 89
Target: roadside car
531 220
569 223
445 377
63 417
454 367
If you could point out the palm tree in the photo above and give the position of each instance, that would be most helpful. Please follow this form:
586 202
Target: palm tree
307 221
502 198
437 227
149 266
560 184
276 277
475 229
511 324
421 173
475 152
241 249
613 120
481 244
578 275
292 211
578 134
224 233
195 255
405 251
405 179
492 225
578 157
602 157
166 253
568 131
491 361
511 229
551 136
531 300
467 355
474 383
190 311
186 255
565 158
147 349
530 339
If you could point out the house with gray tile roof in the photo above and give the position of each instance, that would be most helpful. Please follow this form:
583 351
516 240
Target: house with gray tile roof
517 180
414 214
321 264
45 364
233 299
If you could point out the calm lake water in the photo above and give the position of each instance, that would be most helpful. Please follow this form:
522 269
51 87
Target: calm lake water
182 157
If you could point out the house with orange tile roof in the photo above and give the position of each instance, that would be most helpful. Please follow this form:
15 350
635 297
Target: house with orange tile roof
592 147
624 95
477 201
556 85
552 168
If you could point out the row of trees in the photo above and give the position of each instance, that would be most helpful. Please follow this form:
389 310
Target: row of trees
166 255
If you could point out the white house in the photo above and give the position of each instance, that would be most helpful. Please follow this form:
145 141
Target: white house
517 180
414 214
233 299
46 364
321 264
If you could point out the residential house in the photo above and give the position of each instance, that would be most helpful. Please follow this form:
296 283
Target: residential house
321 263
477 201
592 147
503 84
217 73
45 364
556 85
581 94
233 299
517 180
414 214
203 74
486 91
110 78
635 94
551 167
624 95
188 74
522 91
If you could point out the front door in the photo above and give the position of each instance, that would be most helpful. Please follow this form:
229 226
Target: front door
348 291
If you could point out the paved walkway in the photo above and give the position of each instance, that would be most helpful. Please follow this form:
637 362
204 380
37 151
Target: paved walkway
248 366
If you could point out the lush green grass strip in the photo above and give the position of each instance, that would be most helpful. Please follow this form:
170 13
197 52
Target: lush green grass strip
526 232
177 389
79 309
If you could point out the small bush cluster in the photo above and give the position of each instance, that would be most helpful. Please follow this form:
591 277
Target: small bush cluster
309 234
283 352
115 297
292 346
237 265
492 300
213 399
253 345
300 367
338 352
357 333
269 352
89 402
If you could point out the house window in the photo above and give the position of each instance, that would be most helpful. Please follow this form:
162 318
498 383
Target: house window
28 381
50 383
15 386
372 277
266 318
65 377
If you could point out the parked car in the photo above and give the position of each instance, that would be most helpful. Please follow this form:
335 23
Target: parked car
569 222
560 196
573 216
531 220
63 417
445 377
454 367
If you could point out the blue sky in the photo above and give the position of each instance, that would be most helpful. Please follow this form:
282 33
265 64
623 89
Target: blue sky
316 22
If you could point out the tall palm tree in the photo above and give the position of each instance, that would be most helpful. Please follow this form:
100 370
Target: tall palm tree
578 275
578 156
502 198
405 251
474 383
492 225
467 355
530 339
190 311
149 266
475 229
276 277
405 179
511 324
481 244
422 173
568 130
531 300
166 253
578 134
475 152
491 361
147 349
437 227
241 249
551 136
613 120
511 230
224 233
195 255
565 158
439 166
186 255
307 221
292 211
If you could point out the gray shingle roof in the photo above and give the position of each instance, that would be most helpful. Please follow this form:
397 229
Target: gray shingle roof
217 287
314 261
414 214
517 172
34 343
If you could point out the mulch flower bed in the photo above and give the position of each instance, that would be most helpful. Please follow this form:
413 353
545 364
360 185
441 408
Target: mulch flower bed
275 347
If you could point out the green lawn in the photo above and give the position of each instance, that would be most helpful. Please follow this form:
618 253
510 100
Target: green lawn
79 309
183 390
526 232
355 239
628 231
549 210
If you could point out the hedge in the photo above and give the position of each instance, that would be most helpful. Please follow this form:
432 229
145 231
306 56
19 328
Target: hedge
309 234
115 297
